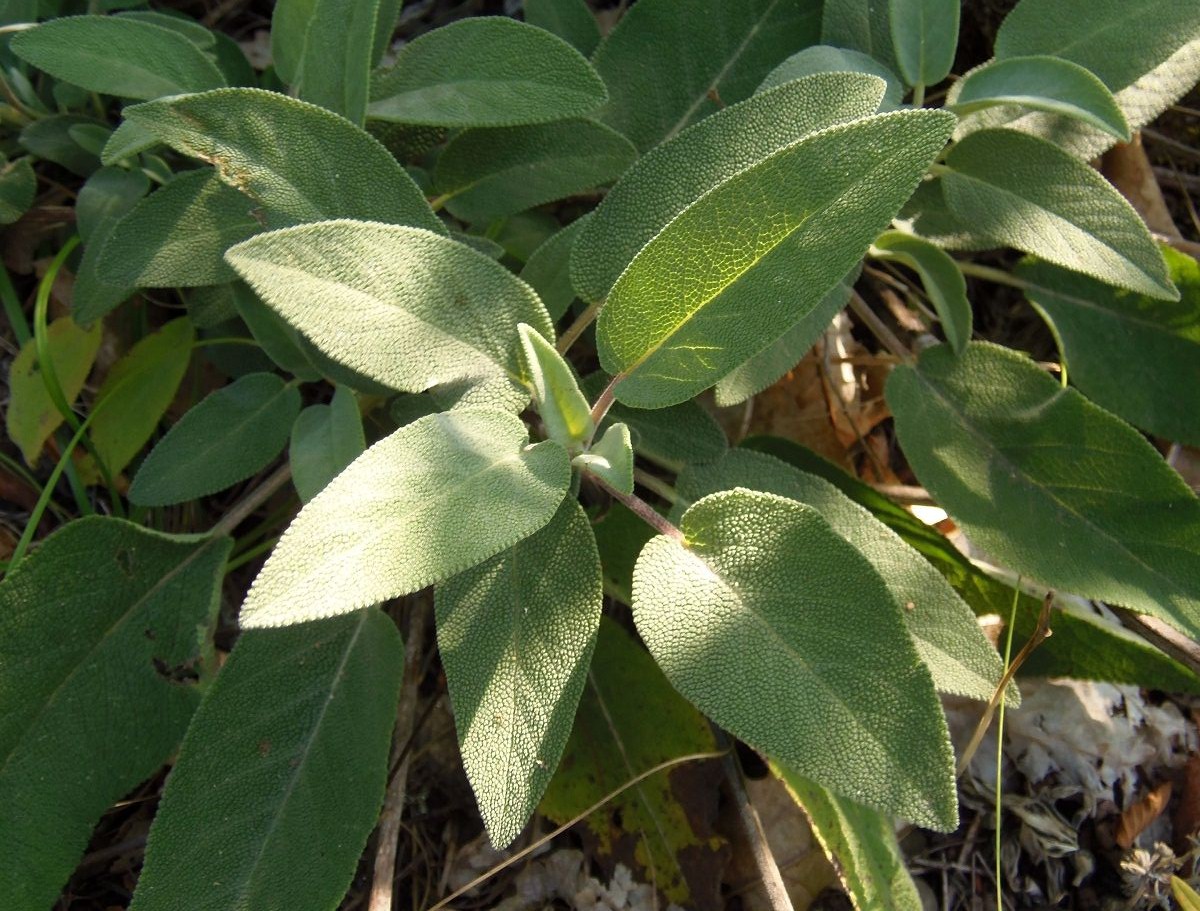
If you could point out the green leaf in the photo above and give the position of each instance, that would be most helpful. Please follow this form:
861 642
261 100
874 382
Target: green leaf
298 161
18 186
101 628
279 340
1187 897
561 406
1047 84
782 633
325 439
944 631
31 415
516 635
1084 646
406 307
137 391
1060 490
572 20
50 138
115 55
1030 195
548 270
125 142
289 29
620 537
861 844
189 28
630 720
282 772
489 173
924 38
860 25
669 63
610 459
822 58
231 434
1136 356
672 177
335 65
774 361
105 197
416 508
486 72
702 296
944 283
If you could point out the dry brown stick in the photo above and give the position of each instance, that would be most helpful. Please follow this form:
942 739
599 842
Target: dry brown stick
246 507
383 883
1166 638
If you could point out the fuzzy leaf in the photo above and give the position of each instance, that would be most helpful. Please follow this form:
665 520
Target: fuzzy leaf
516 635
1028 194
561 406
822 58
611 459
490 173
119 56
944 630
31 416
548 270
486 72
99 629
298 161
860 25
924 38
572 20
1047 84
325 439
335 64
667 60
1136 356
672 177
231 434
279 341
944 283
105 197
50 138
1060 490
406 307
281 774
18 186
416 508
289 29
785 635
702 297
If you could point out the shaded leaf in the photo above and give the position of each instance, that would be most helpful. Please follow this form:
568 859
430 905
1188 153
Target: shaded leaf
738 615
548 270
572 20
325 439
335 65
924 38
416 508
99 629
105 197
281 774
50 138
821 58
944 283
861 25
18 186
486 71
280 342
516 635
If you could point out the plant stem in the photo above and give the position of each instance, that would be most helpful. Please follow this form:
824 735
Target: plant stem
1012 622
641 509
250 553
604 402
878 328
988 273
576 329
246 507
12 308
660 487
918 95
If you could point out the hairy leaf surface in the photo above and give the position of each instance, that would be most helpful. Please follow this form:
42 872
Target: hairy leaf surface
821 58
431 500
335 64
100 628
572 20
785 635
516 635
861 25
924 38
1059 489
325 439
548 270
282 772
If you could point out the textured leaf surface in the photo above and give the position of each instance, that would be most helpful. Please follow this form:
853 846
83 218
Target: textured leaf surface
18 186
784 634
703 296
325 439
289 29
667 59
944 283
924 38
489 173
672 177
487 71
50 138
418 507
1044 84
861 25
93 625
1083 646
118 56
282 772
279 341
630 720
335 65
516 635
406 307
861 843
231 434
300 162
31 416
106 196
142 385
548 270
1030 195
556 394
572 20
821 58
1136 356
611 459
944 630
1059 489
